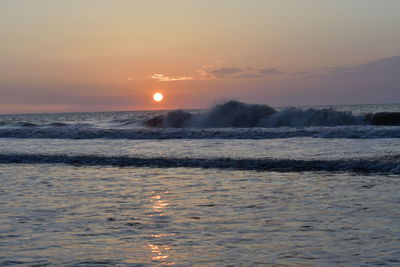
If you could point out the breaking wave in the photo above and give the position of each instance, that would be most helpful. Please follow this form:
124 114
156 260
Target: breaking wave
295 117
377 165
230 120
241 115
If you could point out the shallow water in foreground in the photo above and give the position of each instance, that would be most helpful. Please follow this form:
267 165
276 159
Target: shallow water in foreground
80 216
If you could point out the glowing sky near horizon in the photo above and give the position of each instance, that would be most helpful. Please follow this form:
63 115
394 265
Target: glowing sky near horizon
112 55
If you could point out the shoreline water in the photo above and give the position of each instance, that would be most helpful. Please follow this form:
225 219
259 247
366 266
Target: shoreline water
92 216
108 191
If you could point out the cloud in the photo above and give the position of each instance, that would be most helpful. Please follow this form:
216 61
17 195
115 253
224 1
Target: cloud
270 72
225 72
163 78
247 75
334 70
206 73
383 71
243 73
373 82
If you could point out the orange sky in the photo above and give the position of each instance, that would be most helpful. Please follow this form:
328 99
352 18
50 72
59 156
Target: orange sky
113 55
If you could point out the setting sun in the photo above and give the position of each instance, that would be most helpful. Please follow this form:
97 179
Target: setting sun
158 97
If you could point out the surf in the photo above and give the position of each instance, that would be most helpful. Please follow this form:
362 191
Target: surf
242 115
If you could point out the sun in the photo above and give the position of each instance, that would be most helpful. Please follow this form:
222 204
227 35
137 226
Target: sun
158 97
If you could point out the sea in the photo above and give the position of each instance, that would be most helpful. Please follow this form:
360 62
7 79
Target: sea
233 185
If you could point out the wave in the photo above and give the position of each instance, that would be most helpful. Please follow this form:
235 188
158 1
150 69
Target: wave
125 122
230 120
19 124
352 132
377 165
242 115
27 124
295 117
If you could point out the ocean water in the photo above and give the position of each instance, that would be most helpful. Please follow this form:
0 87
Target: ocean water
300 187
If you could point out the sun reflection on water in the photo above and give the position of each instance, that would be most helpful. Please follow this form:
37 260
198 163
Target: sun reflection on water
158 204
160 251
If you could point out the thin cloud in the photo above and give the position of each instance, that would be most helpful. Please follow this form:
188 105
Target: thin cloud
384 71
270 72
243 73
335 70
226 72
248 75
163 78
205 73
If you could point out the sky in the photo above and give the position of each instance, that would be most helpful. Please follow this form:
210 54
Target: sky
99 55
